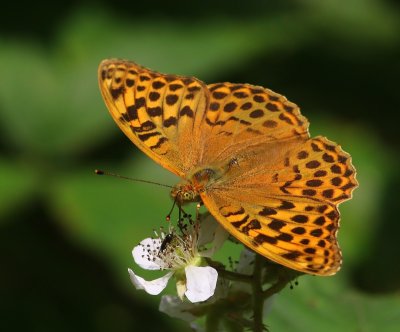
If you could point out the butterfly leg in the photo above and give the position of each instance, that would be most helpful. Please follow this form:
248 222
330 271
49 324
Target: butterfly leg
181 217
198 206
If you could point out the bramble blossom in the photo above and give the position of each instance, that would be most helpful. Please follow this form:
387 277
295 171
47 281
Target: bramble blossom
182 254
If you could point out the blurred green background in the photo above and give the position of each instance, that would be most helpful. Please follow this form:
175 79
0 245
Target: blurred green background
66 235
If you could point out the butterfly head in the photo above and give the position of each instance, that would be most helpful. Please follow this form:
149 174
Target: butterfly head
185 193
189 191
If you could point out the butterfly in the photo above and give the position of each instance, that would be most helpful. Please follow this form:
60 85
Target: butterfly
246 153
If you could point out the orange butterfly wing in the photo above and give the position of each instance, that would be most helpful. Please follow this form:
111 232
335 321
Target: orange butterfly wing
295 221
277 190
280 194
157 112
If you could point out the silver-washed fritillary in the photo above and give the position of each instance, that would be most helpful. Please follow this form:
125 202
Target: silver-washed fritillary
246 153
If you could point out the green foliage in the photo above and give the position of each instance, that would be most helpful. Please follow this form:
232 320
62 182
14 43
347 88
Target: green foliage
332 305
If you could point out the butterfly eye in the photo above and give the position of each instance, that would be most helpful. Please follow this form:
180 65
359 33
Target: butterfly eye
188 195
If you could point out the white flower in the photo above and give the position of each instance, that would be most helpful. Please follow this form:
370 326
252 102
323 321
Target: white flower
182 255
189 312
174 307
246 262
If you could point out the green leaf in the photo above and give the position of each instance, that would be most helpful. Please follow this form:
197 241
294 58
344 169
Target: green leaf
111 215
328 304
18 183
49 110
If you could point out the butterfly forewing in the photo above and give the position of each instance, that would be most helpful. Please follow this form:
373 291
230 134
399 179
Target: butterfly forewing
241 115
157 112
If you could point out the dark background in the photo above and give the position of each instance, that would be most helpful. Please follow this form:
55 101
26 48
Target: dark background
66 236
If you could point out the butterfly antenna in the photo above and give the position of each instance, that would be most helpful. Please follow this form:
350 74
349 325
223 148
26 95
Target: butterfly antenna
100 172
168 217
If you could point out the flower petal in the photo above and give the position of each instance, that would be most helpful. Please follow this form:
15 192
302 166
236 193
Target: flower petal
153 287
174 307
246 262
245 266
145 254
220 236
200 282
207 227
211 232
195 327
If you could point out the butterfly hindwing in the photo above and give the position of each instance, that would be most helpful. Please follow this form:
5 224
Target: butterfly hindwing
296 232
318 169
289 213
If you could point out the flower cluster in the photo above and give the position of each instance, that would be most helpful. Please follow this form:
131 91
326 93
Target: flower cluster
182 253
203 285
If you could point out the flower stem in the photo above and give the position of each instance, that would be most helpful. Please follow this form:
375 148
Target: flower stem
258 299
213 319
275 288
233 326
234 276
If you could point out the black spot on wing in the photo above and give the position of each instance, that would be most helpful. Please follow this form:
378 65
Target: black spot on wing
146 136
186 110
159 143
171 121
115 93
132 112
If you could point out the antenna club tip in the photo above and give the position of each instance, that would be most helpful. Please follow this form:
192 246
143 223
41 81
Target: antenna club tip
168 218
98 172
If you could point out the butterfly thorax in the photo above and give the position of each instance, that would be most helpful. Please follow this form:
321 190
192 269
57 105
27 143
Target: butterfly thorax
189 190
